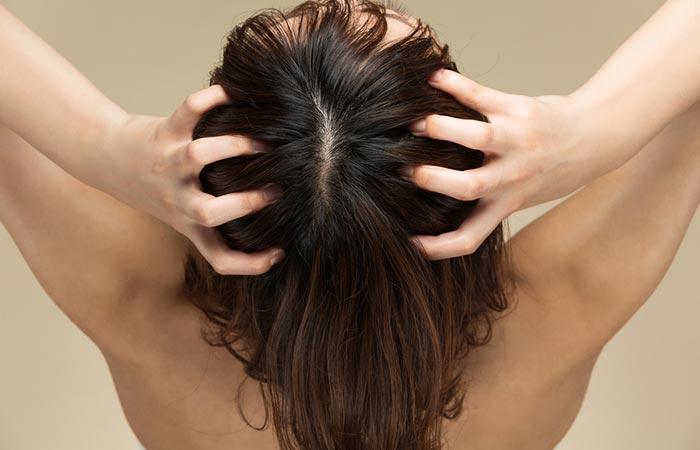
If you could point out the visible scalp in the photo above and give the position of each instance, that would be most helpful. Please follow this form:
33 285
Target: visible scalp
355 336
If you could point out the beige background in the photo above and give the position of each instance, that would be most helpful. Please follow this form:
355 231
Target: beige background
55 390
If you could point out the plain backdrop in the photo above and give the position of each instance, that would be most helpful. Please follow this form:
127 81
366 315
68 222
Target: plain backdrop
55 389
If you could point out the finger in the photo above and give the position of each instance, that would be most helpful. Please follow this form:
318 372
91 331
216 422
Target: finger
226 261
463 185
467 133
470 235
211 211
201 152
469 92
188 113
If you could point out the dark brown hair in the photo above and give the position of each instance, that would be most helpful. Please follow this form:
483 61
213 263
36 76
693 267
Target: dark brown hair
357 339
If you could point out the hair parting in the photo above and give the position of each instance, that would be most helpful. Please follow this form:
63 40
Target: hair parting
357 340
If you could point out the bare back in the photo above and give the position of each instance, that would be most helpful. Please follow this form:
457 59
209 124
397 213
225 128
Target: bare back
117 274
181 393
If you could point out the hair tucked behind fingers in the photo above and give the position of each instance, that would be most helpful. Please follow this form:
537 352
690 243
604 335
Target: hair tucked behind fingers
357 339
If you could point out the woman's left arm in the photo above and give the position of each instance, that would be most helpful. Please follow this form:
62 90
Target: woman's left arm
542 148
149 163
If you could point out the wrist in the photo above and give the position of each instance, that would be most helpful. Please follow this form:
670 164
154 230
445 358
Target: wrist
110 120
102 138
603 129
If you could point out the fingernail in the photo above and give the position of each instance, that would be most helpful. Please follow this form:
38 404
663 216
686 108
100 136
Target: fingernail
436 76
277 257
407 171
418 127
260 146
272 193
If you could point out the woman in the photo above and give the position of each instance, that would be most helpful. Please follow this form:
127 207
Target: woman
359 340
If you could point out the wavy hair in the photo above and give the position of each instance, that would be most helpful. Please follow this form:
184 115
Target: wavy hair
357 340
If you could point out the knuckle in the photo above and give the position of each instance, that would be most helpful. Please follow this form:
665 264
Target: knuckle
476 187
259 200
450 78
192 151
522 174
191 103
432 125
527 110
240 145
259 265
475 90
422 177
487 135
203 214
464 195
235 142
195 151
248 203
219 266
255 201
471 244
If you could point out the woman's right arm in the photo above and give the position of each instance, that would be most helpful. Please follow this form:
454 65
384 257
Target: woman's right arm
540 149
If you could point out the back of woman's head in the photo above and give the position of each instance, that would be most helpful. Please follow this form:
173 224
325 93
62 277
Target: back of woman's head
357 339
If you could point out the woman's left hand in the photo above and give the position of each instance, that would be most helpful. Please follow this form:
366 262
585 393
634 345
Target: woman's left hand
536 149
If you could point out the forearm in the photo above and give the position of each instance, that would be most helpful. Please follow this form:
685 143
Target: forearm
650 79
149 163
544 148
46 101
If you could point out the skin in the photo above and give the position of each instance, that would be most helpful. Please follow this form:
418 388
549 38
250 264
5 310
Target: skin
117 270
178 393
624 230
543 148
149 163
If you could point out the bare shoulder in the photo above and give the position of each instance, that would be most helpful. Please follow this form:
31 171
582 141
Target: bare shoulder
176 390
94 256
530 378
579 273
545 331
